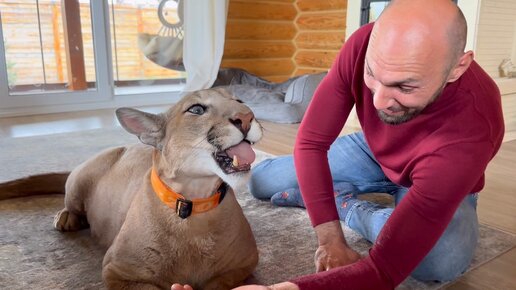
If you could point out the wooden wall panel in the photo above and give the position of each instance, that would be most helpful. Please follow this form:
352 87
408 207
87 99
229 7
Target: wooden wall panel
259 49
315 59
258 30
302 71
262 66
322 21
261 11
496 34
278 39
321 29
320 40
259 37
267 1
311 5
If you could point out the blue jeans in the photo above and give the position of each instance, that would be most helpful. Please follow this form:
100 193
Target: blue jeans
355 171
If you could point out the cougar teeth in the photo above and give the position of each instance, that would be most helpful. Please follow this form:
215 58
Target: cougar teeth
235 161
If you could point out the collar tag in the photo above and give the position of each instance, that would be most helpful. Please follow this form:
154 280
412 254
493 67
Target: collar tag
184 207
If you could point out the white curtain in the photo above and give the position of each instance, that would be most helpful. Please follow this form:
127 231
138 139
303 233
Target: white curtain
204 27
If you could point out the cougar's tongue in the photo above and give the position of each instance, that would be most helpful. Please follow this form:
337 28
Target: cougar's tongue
243 151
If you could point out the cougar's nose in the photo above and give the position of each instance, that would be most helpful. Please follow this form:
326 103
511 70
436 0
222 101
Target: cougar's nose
242 121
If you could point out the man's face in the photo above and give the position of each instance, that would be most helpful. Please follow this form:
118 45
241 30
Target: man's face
402 85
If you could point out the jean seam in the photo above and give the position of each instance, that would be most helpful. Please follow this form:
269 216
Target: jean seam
378 212
347 218
376 186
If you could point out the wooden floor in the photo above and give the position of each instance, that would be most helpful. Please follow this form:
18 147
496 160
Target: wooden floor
497 203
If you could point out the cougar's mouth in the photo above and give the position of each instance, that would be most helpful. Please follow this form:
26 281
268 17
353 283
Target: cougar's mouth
237 158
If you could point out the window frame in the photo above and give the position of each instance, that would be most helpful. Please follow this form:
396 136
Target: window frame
365 8
104 95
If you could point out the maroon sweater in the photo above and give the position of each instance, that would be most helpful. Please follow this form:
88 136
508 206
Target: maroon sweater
441 155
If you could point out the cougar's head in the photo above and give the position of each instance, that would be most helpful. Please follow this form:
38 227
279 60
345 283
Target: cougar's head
207 133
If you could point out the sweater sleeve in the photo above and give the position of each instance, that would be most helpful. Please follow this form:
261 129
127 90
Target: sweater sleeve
321 125
441 180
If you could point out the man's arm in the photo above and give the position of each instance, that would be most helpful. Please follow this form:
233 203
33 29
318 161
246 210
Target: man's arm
323 121
441 181
321 125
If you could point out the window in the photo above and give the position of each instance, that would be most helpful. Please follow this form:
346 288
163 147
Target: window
371 9
82 53
40 55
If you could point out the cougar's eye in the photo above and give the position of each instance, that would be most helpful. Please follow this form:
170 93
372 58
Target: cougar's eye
197 109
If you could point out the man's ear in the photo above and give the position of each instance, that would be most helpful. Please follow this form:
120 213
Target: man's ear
149 128
460 68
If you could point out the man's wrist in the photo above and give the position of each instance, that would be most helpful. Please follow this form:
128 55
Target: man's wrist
330 232
284 286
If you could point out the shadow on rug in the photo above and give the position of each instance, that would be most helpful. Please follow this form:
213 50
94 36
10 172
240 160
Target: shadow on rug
33 253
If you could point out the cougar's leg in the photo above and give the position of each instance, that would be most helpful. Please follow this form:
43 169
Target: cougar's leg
117 274
113 281
73 216
80 186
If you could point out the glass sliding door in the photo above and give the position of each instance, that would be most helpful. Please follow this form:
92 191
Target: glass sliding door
66 55
146 43
48 46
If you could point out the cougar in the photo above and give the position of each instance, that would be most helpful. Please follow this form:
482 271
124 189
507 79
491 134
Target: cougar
165 208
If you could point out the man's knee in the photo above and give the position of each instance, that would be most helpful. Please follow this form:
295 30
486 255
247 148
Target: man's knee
259 178
443 269
452 254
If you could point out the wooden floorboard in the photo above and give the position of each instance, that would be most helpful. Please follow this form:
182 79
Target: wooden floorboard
497 201
497 274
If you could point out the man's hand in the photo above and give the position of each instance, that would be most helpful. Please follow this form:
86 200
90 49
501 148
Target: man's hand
334 255
181 287
279 286
333 250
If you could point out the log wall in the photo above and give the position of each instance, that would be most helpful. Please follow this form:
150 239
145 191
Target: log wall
278 39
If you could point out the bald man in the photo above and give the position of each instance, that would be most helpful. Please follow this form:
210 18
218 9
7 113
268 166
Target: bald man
431 120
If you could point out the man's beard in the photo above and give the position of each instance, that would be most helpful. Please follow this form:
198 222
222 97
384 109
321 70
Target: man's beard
409 113
396 120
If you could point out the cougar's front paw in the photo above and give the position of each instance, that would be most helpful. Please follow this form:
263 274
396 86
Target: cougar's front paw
66 221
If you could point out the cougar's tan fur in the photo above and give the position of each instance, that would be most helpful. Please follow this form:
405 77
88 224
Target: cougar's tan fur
148 245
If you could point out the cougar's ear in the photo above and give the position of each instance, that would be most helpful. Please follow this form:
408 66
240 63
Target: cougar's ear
149 128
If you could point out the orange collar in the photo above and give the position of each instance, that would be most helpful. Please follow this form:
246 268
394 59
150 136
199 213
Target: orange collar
184 207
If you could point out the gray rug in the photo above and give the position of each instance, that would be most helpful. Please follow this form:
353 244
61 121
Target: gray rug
32 253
